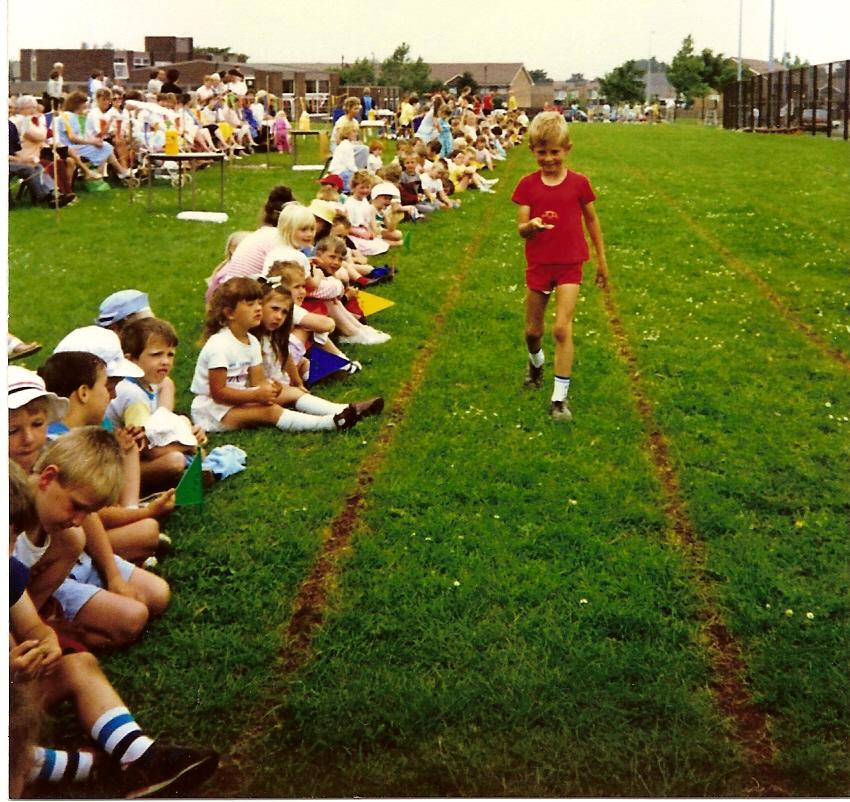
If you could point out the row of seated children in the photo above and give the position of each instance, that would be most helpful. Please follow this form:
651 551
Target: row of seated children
89 530
50 503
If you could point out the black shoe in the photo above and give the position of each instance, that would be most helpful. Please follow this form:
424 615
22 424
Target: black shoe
167 770
533 377
346 419
364 409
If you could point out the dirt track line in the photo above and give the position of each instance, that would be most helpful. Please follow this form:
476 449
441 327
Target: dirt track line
743 269
749 724
309 605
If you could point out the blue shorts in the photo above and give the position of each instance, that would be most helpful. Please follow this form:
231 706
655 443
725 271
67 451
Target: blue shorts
83 582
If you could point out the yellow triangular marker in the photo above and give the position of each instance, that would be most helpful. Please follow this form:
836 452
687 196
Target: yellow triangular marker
372 304
190 489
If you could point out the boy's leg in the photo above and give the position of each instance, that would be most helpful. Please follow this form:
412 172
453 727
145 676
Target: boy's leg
110 620
535 309
147 765
136 541
566 297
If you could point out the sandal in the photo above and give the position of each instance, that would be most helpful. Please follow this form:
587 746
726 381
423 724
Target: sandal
24 349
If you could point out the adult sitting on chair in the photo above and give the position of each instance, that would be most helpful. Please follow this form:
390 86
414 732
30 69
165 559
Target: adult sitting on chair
40 185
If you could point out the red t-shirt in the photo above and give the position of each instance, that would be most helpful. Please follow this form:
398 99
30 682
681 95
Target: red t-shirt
561 206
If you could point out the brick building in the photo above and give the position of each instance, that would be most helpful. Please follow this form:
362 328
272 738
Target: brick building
36 65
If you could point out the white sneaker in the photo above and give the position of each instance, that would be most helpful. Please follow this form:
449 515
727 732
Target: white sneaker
487 191
366 336
376 337
491 182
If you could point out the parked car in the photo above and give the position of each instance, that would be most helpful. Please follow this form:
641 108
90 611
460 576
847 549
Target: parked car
821 118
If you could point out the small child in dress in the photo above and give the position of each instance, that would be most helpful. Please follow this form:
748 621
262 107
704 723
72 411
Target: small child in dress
230 386
281 132
385 201
375 160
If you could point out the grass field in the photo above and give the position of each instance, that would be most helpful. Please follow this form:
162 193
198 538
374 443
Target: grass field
508 606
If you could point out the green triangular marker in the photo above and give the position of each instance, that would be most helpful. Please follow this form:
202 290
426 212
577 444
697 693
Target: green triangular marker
190 489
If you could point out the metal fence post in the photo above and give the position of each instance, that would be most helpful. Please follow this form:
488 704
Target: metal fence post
814 98
847 99
829 100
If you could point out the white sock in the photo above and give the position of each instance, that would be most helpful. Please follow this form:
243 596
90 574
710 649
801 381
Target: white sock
313 405
561 388
293 421
536 359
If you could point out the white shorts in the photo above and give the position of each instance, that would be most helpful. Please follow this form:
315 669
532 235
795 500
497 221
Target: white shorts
207 413
83 582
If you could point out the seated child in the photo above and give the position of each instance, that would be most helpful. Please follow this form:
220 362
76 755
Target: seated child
150 343
308 328
329 188
386 203
81 377
230 386
364 232
330 252
123 307
104 599
132 762
410 186
375 162
432 186
274 334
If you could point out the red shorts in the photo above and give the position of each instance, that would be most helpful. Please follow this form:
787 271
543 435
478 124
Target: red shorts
544 278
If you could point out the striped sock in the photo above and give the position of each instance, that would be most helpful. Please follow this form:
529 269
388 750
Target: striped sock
561 388
117 733
54 765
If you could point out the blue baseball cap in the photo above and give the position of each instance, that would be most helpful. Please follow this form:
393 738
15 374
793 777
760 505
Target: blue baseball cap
122 304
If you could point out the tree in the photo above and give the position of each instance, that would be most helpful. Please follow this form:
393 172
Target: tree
223 53
686 72
795 64
361 73
402 71
539 77
718 70
624 84
467 79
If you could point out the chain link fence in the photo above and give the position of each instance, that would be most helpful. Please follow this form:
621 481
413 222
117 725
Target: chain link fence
811 99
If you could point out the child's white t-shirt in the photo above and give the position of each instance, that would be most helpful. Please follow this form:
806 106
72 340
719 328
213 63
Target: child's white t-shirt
132 405
359 212
374 163
431 185
223 350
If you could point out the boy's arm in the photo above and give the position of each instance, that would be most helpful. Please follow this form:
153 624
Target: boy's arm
38 645
55 565
131 466
527 225
591 222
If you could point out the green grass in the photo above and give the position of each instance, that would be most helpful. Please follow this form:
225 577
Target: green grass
457 656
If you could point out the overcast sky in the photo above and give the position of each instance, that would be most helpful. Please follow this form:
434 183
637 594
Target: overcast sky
561 37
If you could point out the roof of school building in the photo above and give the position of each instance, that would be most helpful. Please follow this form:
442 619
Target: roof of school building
485 73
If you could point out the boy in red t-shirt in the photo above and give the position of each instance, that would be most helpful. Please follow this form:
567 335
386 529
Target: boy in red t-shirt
552 204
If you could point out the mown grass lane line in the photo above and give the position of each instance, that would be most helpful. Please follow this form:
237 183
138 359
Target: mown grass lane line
743 269
309 603
748 722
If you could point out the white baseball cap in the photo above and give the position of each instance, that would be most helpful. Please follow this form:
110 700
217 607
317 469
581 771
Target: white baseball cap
103 343
385 188
26 385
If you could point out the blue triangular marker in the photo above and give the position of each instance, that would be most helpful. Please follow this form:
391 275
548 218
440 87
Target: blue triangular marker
322 364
